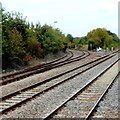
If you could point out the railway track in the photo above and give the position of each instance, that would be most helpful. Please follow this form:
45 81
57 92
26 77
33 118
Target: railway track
87 98
19 97
40 68
29 71
31 68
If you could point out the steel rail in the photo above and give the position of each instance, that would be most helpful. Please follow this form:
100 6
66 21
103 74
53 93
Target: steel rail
43 69
56 76
84 87
5 110
38 66
34 67
98 101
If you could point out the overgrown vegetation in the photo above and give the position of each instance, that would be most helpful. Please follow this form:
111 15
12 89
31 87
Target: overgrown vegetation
22 40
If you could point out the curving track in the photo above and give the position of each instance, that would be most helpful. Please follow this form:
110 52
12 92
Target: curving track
13 100
41 68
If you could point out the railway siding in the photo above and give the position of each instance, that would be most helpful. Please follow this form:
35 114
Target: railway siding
58 95
26 82
35 69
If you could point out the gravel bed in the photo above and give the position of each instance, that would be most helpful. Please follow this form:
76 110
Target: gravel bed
108 107
81 105
23 83
43 104
76 53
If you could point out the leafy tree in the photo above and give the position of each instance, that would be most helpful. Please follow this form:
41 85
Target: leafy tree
83 40
12 49
12 39
70 38
70 41
52 40
22 40
100 37
33 46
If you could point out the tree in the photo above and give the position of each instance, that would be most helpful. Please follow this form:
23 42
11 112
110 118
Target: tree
22 41
52 40
100 37
33 47
12 49
70 41
70 38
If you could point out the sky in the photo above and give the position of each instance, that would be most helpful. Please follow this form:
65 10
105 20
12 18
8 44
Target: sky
75 17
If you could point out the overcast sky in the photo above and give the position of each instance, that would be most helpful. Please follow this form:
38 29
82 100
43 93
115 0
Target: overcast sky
76 17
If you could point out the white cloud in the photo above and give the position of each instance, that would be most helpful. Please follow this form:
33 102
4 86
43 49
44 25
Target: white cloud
72 15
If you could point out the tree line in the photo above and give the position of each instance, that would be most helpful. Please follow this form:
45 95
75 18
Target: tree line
96 38
22 40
